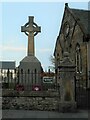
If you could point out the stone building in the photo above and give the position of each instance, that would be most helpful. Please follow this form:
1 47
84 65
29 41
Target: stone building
74 38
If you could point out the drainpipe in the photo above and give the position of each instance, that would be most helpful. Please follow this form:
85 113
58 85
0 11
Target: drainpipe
88 69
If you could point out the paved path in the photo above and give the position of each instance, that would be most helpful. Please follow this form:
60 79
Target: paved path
42 114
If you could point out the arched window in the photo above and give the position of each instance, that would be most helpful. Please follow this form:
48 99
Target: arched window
78 59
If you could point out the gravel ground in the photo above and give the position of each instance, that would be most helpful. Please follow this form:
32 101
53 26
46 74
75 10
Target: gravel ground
43 114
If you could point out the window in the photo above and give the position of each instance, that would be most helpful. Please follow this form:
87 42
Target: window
78 59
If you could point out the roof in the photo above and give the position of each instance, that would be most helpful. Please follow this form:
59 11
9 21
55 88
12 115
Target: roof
7 64
83 17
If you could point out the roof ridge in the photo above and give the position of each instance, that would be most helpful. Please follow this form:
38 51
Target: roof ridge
80 10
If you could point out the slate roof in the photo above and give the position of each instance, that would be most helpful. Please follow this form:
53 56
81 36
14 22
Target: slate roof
83 17
7 64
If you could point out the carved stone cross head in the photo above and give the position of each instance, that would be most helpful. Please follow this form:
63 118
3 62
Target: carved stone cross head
31 27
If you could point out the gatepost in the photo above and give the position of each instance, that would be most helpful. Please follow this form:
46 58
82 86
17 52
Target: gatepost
67 86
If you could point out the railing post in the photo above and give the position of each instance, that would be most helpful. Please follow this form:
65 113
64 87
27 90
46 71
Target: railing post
35 75
8 77
32 77
11 77
18 76
75 87
15 78
21 76
28 78
25 78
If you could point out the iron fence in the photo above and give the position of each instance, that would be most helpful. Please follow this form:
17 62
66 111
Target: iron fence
11 78
81 93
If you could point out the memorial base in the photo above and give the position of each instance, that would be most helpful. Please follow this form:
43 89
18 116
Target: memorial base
67 106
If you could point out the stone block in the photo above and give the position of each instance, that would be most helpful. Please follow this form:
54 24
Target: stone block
67 106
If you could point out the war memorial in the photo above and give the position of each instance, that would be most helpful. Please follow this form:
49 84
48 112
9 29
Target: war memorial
63 95
30 64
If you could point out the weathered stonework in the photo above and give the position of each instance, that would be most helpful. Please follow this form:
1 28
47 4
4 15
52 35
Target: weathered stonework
67 85
67 107
30 63
30 103
76 36
75 39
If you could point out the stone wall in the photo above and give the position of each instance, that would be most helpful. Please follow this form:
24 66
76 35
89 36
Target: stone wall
29 103
30 100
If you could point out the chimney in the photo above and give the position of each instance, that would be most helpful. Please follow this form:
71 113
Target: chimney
66 4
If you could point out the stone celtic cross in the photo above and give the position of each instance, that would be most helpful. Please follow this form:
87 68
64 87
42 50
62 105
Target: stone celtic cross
31 29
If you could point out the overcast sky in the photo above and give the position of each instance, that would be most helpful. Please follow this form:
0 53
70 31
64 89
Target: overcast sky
48 15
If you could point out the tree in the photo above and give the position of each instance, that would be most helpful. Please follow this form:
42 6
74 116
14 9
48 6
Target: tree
52 66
